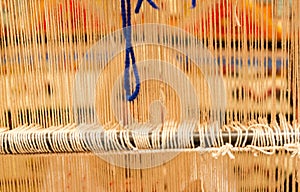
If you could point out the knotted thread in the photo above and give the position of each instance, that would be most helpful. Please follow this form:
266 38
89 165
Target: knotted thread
225 149
294 148
255 149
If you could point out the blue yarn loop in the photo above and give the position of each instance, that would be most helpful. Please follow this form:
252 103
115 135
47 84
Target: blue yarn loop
126 24
140 2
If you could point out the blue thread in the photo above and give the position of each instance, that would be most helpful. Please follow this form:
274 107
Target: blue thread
126 71
140 2
138 6
137 78
126 24
152 4
193 3
123 11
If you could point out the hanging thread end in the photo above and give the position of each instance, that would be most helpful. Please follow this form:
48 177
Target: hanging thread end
134 94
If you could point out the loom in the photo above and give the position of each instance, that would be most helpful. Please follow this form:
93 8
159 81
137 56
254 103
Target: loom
149 95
